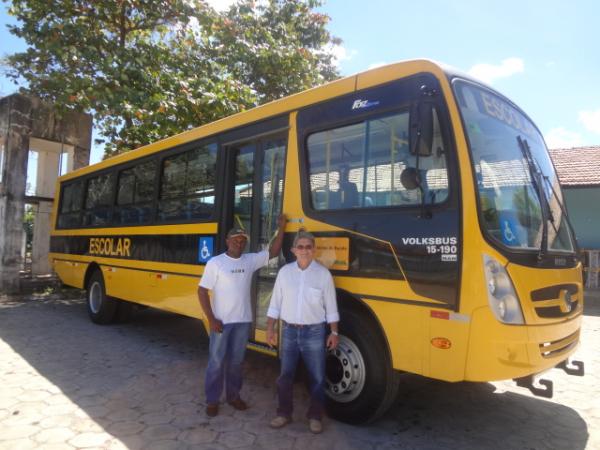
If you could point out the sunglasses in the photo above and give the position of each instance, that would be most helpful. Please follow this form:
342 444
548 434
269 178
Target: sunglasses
304 247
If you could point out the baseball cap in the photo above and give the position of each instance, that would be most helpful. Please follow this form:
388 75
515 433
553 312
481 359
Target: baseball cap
237 231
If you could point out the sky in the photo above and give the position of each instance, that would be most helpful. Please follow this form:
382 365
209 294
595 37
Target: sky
543 55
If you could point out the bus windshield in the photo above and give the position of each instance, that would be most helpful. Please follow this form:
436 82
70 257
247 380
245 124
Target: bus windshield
521 203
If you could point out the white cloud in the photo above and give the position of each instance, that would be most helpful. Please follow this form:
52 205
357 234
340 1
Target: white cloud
562 138
591 120
340 53
489 73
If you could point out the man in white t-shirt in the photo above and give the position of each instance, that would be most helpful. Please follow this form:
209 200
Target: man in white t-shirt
229 276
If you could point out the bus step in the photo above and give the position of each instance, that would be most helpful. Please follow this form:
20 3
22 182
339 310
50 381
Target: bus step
545 388
576 368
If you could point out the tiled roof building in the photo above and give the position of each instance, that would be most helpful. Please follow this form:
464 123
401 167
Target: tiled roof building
579 174
577 167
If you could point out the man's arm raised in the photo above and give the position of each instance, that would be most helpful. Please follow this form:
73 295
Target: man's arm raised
278 241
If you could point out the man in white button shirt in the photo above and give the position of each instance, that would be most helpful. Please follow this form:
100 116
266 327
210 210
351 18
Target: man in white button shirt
229 276
304 298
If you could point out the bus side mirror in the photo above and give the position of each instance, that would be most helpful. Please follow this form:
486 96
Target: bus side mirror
421 128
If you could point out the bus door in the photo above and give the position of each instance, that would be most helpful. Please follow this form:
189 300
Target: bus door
255 203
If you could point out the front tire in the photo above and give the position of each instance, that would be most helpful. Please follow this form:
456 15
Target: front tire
101 308
360 383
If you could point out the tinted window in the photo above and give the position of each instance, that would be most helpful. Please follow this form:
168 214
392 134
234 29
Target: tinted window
369 164
188 184
135 194
70 205
98 200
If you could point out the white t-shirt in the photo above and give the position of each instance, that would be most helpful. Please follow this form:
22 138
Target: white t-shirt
304 296
230 280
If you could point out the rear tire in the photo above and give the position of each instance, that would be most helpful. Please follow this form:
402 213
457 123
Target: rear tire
360 383
101 308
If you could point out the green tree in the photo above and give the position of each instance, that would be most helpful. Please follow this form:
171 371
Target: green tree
150 69
276 48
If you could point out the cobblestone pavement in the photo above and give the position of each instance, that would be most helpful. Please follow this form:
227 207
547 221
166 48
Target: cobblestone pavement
66 383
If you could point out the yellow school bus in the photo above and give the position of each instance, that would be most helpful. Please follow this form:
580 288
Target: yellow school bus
433 200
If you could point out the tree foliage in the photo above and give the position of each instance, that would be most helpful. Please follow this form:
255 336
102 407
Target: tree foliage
147 69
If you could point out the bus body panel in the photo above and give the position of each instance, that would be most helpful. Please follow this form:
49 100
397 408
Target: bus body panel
169 291
70 272
498 351
404 339
546 310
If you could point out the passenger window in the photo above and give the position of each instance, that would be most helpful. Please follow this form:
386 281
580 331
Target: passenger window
70 206
135 194
369 165
188 185
98 200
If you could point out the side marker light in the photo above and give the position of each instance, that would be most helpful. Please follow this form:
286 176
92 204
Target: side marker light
441 343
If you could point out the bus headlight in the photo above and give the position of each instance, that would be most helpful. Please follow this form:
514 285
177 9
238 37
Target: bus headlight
502 297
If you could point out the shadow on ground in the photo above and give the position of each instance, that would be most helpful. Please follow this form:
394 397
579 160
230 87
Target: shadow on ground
141 382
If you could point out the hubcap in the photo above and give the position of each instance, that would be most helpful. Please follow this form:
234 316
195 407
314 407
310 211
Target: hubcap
95 297
344 371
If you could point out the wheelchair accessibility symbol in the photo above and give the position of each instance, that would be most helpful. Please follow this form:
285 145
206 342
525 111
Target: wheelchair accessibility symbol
509 236
205 248
510 232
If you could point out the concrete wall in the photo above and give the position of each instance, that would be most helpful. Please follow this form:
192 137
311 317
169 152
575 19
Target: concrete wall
28 124
583 205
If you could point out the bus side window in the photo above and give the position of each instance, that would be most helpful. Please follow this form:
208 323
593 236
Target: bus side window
71 203
135 194
98 200
361 165
187 187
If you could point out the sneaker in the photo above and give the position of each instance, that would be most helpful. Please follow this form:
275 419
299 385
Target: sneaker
212 409
315 426
280 421
239 404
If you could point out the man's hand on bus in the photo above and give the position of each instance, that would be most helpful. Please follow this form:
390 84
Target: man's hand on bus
215 325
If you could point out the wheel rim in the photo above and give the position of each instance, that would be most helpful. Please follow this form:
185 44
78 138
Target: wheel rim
95 297
345 371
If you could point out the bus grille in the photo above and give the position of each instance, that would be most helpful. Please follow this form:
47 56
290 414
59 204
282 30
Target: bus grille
556 348
555 302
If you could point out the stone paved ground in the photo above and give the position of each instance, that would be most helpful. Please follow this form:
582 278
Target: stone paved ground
66 383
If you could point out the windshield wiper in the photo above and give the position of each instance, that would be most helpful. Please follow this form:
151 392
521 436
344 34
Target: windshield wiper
561 205
535 176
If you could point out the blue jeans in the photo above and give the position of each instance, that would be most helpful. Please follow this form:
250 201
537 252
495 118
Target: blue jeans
307 342
226 355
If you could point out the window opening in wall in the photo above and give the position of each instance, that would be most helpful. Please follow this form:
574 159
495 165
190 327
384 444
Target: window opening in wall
32 173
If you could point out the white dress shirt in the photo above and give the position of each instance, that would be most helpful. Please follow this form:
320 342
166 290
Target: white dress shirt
304 297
